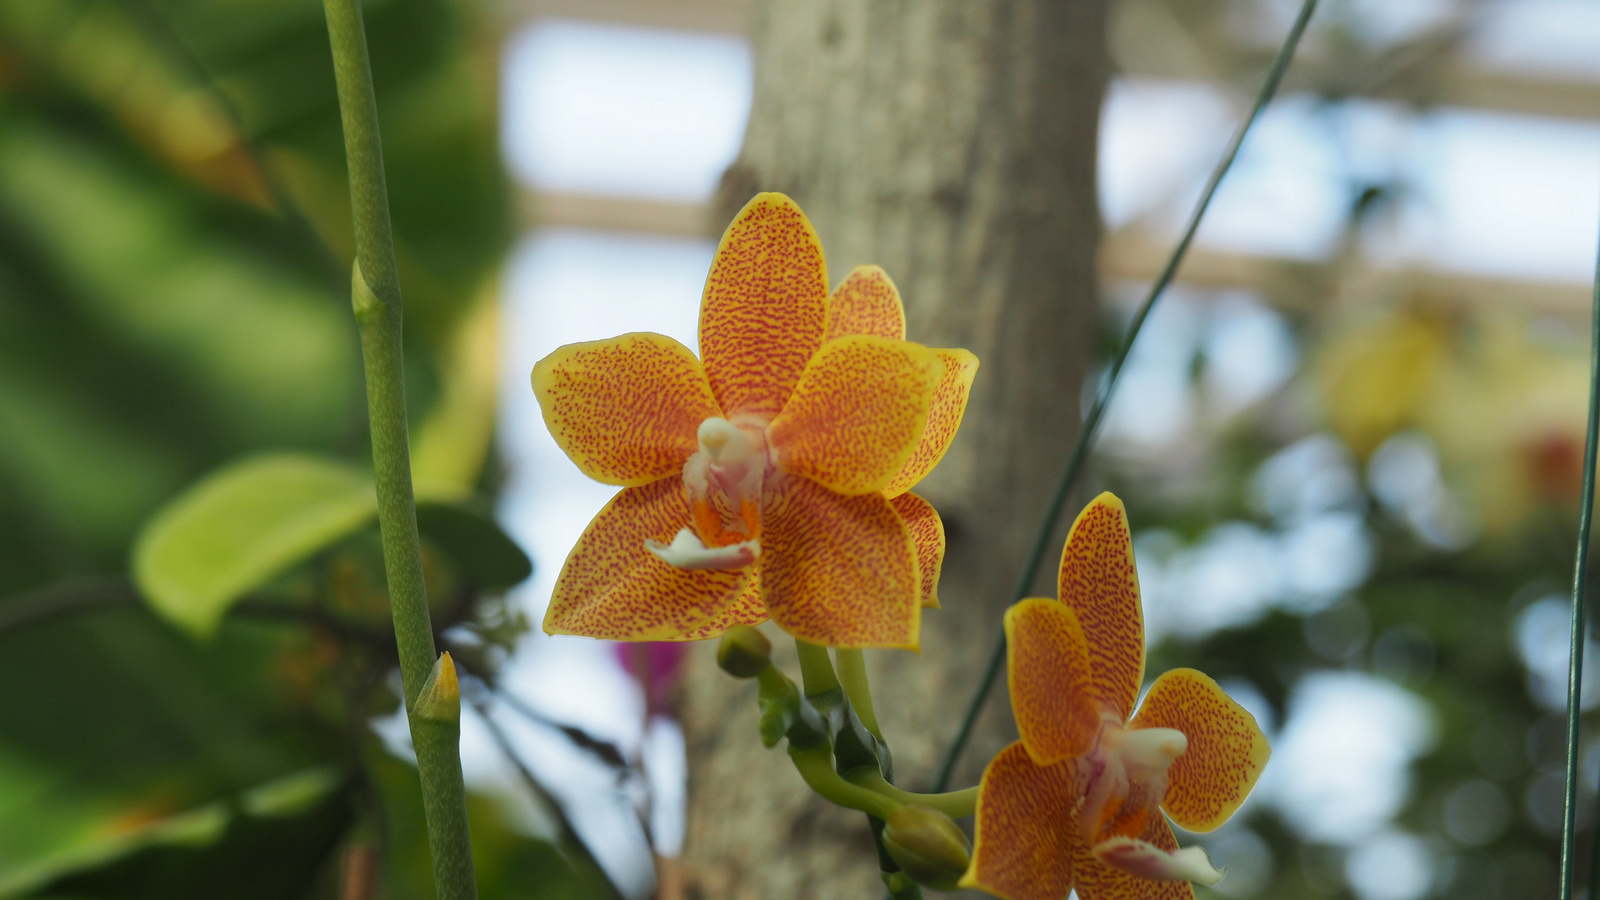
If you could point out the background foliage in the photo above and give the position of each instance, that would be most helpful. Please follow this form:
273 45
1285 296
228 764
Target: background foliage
174 251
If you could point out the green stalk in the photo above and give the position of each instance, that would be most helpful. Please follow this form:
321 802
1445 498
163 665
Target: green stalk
853 677
955 804
816 767
1580 580
375 295
1080 450
816 670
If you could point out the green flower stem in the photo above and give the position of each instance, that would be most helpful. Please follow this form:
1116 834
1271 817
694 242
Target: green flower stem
816 767
772 682
901 887
816 670
954 804
853 677
375 295
1580 580
1091 423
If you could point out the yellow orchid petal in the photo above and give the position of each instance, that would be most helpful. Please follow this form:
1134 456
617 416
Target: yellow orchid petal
1047 669
1226 751
1024 847
944 417
612 587
836 570
927 531
1099 881
764 307
866 302
857 413
624 409
1099 583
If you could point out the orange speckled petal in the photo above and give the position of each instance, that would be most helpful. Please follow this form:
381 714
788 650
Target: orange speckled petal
944 417
612 587
1025 846
1226 753
625 409
747 609
1098 881
866 302
859 410
1047 669
764 307
1099 582
836 570
927 531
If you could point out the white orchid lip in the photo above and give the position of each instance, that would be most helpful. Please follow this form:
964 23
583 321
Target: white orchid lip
1146 860
1145 750
687 552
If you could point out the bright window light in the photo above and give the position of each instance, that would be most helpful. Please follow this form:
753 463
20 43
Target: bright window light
624 111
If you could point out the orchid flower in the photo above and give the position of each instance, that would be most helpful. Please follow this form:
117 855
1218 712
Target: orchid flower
770 476
1078 802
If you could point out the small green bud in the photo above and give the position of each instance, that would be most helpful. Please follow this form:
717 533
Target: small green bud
928 846
777 716
744 652
440 697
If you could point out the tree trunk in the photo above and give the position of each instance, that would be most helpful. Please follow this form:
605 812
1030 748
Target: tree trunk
953 143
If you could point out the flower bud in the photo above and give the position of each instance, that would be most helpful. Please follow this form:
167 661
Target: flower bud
744 652
440 697
928 846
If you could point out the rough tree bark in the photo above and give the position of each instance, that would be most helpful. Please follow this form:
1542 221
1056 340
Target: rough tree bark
952 142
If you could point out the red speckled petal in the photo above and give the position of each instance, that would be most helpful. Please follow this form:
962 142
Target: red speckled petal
857 414
944 417
1226 752
1099 582
612 587
927 531
1098 881
625 409
1025 845
764 308
836 570
866 302
1047 669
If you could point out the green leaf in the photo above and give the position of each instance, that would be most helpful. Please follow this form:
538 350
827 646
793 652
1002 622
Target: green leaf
486 556
229 848
197 734
242 526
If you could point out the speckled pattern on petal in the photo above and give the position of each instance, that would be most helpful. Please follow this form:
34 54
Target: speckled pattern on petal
1098 581
866 302
1226 752
837 570
624 409
764 308
1098 881
612 587
944 418
857 413
927 531
747 609
1025 845
1047 669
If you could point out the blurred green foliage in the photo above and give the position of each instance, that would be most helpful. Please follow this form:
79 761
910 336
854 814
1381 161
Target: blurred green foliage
174 295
